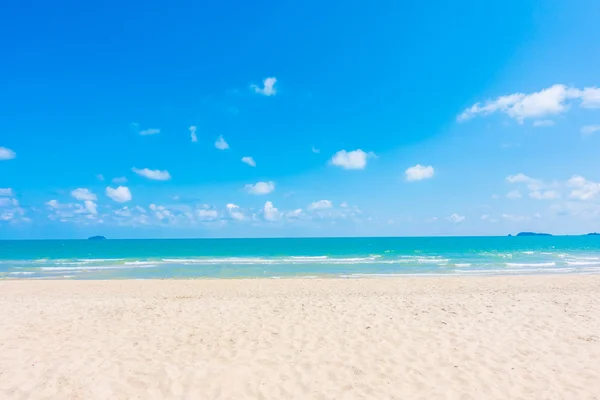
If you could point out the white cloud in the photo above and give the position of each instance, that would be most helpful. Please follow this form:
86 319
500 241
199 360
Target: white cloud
90 206
249 160
544 194
221 144
457 218
589 129
550 101
207 215
161 212
315 150
532 184
321 205
515 194
235 213
419 172
356 159
6 154
193 133
543 122
155 174
270 212
83 194
120 179
260 188
590 97
582 189
120 194
295 213
150 132
268 88
6 192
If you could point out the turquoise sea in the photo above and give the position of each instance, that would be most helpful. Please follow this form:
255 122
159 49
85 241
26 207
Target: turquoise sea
307 257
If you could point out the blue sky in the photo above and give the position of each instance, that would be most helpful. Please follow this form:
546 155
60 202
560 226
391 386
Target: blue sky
310 118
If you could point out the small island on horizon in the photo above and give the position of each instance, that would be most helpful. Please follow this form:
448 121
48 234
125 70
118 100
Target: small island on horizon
96 238
533 234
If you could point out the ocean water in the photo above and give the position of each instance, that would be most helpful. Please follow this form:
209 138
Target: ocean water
307 257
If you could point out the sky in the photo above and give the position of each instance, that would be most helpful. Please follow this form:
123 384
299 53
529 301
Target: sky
288 119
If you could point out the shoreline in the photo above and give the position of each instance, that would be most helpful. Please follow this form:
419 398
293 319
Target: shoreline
410 337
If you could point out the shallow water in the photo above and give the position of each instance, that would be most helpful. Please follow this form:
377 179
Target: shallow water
306 257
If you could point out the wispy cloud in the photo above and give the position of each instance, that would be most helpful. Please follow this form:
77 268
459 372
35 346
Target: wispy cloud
6 154
221 144
457 218
590 129
249 160
550 101
193 133
151 131
321 205
153 174
82 194
120 179
260 188
543 122
268 88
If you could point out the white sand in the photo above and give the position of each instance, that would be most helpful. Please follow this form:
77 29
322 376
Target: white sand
421 338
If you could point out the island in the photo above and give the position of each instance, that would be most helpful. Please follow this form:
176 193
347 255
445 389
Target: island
532 234
96 238
593 234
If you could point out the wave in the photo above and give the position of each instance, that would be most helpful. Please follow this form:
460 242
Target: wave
541 264
94 268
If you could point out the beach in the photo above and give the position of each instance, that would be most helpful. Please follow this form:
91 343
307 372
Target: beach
518 337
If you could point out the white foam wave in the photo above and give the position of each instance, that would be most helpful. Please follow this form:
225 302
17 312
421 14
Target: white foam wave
94 267
576 263
533 265
21 273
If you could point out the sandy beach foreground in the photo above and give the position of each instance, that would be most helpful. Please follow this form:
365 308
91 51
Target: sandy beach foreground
406 338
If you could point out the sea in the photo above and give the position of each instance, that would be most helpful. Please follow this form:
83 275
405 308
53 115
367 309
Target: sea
298 257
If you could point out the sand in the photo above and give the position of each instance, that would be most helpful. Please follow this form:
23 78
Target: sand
406 338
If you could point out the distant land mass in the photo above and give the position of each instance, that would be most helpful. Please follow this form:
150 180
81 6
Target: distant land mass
532 234
96 238
593 234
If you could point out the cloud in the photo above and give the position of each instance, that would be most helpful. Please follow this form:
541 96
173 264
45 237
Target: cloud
356 159
260 188
207 215
550 101
295 213
120 194
82 194
582 189
321 205
268 88
10 211
544 194
270 212
419 172
532 184
315 150
589 129
235 213
90 206
249 160
457 218
515 194
543 122
193 133
6 154
150 132
155 174
161 213
100 177
221 144
120 179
